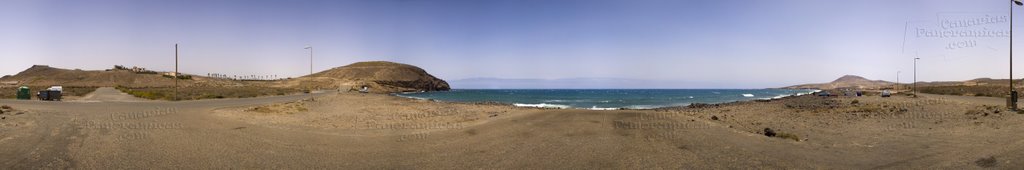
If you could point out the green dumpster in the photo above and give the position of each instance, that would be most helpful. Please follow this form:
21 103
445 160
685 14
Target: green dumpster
23 93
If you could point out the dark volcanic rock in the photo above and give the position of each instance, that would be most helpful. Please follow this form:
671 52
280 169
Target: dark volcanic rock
769 132
702 105
987 162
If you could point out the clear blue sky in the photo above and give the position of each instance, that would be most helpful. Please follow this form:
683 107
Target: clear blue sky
723 44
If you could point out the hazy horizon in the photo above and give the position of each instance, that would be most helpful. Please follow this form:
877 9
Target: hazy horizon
684 44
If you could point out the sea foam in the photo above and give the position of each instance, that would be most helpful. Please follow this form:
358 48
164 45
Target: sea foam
607 99
542 105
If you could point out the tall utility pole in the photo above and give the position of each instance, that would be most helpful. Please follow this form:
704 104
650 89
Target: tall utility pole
903 51
310 58
903 46
175 72
915 76
1011 102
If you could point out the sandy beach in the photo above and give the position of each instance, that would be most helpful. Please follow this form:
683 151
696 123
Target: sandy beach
377 131
492 84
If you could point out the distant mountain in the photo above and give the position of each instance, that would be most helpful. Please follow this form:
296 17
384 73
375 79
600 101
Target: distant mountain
847 81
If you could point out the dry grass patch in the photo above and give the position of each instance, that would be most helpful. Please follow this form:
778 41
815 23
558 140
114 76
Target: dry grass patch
284 108
198 93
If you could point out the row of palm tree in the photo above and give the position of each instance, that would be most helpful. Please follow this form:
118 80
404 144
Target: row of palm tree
243 77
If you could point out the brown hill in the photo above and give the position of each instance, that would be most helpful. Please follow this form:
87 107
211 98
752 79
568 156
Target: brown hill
378 76
847 81
41 75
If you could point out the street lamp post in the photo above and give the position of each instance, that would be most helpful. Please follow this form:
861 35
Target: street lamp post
1011 102
310 58
175 71
903 49
915 76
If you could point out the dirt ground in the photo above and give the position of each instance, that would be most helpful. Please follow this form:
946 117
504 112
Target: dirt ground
371 131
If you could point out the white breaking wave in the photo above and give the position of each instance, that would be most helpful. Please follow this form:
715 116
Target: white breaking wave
777 97
542 105
412 92
788 95
602 109
417 98
806 93
642 107
748 95
562 101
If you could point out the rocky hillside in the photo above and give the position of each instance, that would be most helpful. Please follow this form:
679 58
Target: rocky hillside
378 76
42 75
847 81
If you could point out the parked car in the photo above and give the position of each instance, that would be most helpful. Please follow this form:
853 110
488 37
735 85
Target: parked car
824 93
51 94
886 93
56 88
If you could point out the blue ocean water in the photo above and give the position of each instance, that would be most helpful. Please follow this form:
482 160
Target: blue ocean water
604 99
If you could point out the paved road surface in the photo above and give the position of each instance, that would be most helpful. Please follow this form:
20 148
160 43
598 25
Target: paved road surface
111 129
108 94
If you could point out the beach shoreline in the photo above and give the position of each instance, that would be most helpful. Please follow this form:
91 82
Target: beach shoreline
803 125
627 107
357 130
